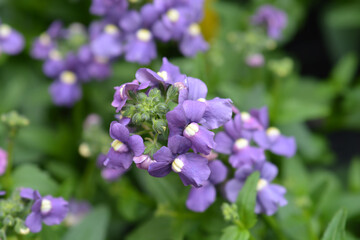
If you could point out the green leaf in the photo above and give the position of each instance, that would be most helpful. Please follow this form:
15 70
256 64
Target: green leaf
344 72
31 176
157 228
354 176
336 228
235 233
246 201
296 177
92 227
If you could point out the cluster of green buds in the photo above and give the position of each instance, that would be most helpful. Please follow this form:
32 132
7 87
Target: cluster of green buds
12 213
148 113
14 120
230 212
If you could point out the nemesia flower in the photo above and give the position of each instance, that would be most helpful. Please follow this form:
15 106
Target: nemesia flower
121 94
272 140
107 173
193 42
200 199
97 67
11 41
108 44
46 42
192 168
269 196
2 193
3 161
109 8
65 91
123 148
232 141
273 18
184 121
141 47
50 210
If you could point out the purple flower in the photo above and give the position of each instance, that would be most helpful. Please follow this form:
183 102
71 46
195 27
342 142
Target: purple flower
218 111
168 74
3 161
172 24
255 60
272 140
232 141
192 41
66 91
48 209
253 121
44 44
77 211
273 18
200 199
121 94
185 121
140 47
2 193
123 148
111 9
96 67
109 174
11 42
107 44
269 196
192 168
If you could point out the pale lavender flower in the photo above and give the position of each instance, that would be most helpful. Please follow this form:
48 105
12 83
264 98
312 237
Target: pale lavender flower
66 91
269 196
107 43
192 41
121 94
11 41
274 19
255 60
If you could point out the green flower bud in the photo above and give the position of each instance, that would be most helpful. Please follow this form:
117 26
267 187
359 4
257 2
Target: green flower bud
230 212
172 94
136 118
13 119
145 117
154 93
20 227
151 148
159 126
161 108
8 221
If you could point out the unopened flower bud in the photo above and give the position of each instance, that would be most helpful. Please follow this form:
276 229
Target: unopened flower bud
159 126
172 94
143 161
8 221
20 227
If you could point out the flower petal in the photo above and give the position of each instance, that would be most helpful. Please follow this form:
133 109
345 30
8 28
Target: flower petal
200 199
119 132
224 143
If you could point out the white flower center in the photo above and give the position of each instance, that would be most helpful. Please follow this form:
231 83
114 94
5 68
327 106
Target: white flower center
163 75
194 29
68 77
5 30
241 143
177 165
55 55
191 129
45 39
111 29
202 100
261 184
273 132
45 206
84 150
119 146
173 15
245 116
24 231
143 35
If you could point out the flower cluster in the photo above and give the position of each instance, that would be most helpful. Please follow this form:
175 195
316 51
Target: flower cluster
46 209
11 41
131 32
170 111
235 141
69 60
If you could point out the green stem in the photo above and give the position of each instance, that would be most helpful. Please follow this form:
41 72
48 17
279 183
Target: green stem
274 226
10 150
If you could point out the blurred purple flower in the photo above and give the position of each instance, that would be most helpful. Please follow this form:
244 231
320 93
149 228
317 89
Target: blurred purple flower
108 43
255 60
11 41
3 161
66 91
273 18
77 211
193 41
269 196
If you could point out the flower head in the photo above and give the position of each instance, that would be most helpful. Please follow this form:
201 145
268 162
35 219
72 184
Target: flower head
11 42
3 161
